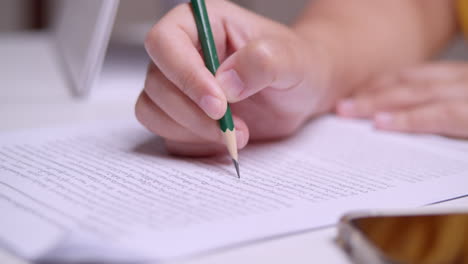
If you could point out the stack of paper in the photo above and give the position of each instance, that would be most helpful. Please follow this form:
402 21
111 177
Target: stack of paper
111 192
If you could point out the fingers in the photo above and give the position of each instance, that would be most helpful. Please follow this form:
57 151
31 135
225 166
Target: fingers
448 118
401 97
266 63
179 107
365 105
158 122
172 45
422 86
428 99
444 71
203 148
181 140
436 72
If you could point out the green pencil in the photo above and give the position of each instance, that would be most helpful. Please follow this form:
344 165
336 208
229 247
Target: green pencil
212 63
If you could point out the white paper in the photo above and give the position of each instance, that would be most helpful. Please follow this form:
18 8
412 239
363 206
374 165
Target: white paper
111 192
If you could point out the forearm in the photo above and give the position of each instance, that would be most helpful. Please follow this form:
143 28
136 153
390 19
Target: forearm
363 38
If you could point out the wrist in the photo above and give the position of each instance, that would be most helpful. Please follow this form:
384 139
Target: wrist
327 59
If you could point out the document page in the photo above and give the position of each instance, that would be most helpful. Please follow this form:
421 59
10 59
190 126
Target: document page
110 191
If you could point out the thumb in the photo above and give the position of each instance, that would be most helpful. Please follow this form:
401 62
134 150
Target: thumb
266 63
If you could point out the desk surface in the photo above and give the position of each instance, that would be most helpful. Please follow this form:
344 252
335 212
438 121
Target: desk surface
34 94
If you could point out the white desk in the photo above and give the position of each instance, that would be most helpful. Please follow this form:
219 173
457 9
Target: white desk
25 102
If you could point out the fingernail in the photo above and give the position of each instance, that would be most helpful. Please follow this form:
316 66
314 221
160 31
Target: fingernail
212 106
384 120
232 85
347 107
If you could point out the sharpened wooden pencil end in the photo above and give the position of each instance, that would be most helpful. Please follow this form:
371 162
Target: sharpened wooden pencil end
236 165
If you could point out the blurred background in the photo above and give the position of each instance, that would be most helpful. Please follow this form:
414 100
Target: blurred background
134 18
126 61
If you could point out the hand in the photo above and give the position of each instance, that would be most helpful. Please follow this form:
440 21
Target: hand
429 99
275 80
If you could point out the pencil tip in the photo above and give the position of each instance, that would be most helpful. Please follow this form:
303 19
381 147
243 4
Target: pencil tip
236 164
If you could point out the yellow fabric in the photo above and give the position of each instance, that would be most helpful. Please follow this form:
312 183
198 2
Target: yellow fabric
462 7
